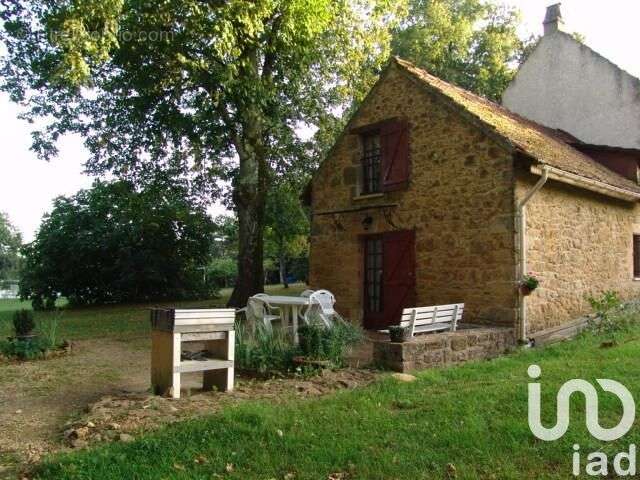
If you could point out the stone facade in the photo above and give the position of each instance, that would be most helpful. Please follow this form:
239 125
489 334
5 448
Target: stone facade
427 351
580 243
459 201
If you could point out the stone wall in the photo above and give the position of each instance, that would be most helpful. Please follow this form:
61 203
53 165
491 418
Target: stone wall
434 350
579 243
459 202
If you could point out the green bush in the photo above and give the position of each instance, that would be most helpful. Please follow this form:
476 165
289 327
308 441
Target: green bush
48 330
263 350
268 351
23 322
609 314
24 349
320 343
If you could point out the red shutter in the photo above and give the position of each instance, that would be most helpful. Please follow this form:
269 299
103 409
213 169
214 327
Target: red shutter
394 146
399 274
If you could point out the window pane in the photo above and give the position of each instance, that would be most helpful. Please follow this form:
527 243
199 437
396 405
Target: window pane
373 275
371 163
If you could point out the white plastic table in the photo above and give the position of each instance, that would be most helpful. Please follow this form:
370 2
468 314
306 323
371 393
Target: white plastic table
290 307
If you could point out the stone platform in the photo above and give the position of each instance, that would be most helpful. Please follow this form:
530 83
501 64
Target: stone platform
470 342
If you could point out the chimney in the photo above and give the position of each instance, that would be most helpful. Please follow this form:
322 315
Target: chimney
553 21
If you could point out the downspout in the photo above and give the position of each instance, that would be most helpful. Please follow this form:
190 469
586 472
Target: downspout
522 240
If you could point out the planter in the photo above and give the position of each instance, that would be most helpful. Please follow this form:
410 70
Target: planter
399 334
526 290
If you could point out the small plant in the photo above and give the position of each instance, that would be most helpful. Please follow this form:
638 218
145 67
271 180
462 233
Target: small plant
48 330
529 283
609 318
398 333
23 349
23 323
318 342
263 350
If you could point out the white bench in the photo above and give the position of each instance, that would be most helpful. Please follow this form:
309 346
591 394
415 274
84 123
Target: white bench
432 319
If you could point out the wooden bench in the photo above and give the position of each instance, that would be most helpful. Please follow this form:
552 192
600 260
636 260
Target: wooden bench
171 328
432 319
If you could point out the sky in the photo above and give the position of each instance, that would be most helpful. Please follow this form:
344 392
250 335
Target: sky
28 185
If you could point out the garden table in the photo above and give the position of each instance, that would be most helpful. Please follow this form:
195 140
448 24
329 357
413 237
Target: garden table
290 307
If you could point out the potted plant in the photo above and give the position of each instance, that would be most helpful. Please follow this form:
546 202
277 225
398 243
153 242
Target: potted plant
399 334
23 324
528 284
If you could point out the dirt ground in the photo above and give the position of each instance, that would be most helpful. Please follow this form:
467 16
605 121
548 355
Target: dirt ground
100 392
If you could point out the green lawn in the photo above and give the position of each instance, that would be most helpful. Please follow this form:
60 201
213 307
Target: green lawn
123 321
464 422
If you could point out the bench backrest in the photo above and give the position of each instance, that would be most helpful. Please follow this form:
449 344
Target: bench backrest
437 315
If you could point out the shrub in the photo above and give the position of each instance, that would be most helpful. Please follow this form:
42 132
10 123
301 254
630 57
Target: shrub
320 343
24 349
263 350
609 317
23 323
268 351
48 330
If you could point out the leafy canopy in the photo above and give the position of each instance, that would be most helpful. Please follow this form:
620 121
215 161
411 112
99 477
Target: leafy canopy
472 43
114 243
174 83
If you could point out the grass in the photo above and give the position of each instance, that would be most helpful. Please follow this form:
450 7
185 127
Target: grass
467 422
116 321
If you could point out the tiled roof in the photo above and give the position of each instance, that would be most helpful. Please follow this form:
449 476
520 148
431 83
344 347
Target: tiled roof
546 145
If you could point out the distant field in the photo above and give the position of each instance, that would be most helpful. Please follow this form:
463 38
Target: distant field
116 320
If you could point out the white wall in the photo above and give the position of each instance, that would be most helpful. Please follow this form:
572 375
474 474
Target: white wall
566 85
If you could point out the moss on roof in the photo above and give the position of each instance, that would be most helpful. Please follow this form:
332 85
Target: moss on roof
545 145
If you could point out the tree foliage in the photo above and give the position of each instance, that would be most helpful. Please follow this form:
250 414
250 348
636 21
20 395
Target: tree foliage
114 243
204 89
471 43
10 243
287 227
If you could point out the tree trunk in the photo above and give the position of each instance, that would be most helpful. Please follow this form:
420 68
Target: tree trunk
249 194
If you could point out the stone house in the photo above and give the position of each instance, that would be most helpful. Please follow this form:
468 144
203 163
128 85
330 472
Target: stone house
564 84
421 202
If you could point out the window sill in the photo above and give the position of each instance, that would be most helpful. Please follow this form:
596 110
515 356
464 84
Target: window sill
369 196
636 279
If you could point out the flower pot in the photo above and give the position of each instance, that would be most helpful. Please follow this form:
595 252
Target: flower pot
525 290
399 335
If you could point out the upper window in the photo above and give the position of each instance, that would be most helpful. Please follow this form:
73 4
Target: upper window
371 163
385 156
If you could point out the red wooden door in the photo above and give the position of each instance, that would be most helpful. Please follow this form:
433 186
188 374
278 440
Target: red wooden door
390 288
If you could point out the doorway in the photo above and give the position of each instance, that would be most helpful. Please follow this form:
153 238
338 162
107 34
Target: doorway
388 277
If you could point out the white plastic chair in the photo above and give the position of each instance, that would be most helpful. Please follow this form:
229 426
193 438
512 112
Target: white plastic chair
258 310
306 293
322 302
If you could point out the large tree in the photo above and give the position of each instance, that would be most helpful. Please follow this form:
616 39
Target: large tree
206 89
472 43
115 243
